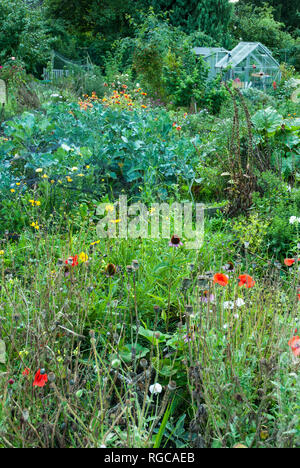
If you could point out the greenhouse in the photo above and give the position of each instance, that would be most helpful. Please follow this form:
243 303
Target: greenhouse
250 64
211 55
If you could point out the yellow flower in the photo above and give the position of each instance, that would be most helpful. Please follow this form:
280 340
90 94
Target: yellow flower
35 203
17 184
1 252
39 170
45 176
12 190
87 167
74 169
35 226
115 221
96 242
109 208
80 175
83 257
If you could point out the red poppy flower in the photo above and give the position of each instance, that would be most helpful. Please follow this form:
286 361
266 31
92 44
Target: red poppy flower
26 371
246 280
40 379
73 261
221 279
289 261
294 344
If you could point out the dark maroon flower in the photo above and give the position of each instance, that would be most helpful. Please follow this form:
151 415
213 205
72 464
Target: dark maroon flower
111 269
175 241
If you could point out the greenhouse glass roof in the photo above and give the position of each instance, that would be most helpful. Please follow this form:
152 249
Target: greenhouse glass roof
241 51
206 51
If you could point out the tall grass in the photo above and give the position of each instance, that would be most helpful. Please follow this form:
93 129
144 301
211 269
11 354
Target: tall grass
105 336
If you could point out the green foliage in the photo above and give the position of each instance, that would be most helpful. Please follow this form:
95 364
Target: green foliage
125 149
258 24
24 34
285 11
95 25
251 231
211 17
167 66
282 135
276 205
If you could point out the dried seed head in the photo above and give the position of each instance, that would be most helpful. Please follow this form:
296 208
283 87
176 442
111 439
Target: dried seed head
203 281
135 265
25 415
172 385
51 377
188 309
115 337
144 363
129 269
186 283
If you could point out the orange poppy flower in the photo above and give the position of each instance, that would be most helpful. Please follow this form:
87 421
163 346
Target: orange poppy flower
294 344
221 279
246 280
289 261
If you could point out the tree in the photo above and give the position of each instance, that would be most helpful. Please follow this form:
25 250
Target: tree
285 11
24 34
258 24
94 25
212 17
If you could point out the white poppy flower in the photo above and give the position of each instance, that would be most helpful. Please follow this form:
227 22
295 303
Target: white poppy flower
156 388
240 302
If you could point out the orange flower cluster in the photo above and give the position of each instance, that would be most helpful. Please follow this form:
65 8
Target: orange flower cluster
86 103
119 98
122 99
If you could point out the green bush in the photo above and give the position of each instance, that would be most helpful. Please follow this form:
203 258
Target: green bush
277 204
24 34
